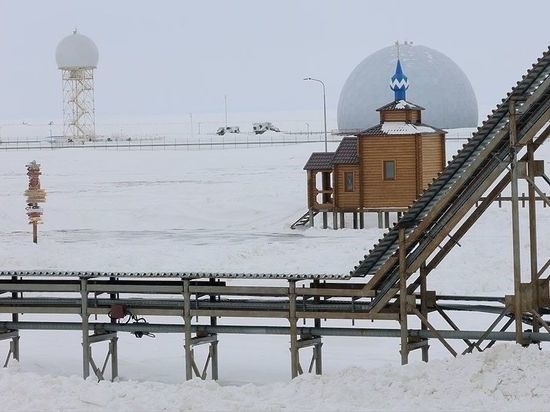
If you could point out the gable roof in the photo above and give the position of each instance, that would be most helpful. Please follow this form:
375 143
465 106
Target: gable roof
319 161
346 152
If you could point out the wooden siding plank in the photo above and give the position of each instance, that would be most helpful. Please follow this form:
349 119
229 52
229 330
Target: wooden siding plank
419 165
433 158
391 193
347 200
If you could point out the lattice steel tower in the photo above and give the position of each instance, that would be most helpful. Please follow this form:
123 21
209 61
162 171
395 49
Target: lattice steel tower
77 56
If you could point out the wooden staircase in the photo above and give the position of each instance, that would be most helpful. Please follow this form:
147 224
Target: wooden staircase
303 220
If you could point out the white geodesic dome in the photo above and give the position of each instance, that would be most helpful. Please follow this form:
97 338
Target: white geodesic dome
435 82
76 51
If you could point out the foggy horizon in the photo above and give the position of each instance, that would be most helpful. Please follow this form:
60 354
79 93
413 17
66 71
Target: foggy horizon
176 58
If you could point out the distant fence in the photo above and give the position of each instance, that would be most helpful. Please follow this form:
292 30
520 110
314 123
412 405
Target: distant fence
211 142
523 199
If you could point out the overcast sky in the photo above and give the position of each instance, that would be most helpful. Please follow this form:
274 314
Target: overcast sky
176 57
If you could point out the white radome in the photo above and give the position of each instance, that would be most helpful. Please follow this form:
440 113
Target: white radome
76 51
435 82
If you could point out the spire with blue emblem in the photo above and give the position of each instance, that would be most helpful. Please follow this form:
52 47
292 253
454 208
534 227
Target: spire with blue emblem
399 82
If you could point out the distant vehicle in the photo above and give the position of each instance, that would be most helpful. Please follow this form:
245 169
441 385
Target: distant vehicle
263 127
54 139
227 129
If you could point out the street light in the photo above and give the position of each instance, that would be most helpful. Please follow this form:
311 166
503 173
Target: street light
324 106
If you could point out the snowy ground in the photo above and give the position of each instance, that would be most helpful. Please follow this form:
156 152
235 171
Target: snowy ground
230 210
508 377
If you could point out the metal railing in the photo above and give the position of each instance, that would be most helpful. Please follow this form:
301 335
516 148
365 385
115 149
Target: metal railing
195 143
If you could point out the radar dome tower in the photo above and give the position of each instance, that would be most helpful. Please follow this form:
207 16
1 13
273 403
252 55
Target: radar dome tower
76 56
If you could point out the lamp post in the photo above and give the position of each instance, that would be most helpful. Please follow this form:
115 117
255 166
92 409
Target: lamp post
324 106
225 101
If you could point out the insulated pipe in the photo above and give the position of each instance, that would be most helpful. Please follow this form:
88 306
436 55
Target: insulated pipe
277 330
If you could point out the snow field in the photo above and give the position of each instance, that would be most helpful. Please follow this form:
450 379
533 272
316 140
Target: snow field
508 377
230 210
